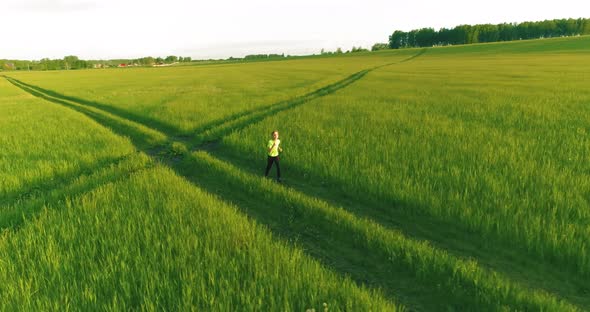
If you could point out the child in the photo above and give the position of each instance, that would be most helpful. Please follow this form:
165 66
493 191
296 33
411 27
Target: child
273 154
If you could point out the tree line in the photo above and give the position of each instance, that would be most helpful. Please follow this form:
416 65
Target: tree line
466 34
73 62
423 37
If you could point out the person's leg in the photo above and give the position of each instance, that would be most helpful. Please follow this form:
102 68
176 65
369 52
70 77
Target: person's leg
268 165
278 168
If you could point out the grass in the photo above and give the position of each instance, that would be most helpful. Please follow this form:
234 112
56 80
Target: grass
575 45
42 143
187 98
447 180
154 241
478 151
426 277
129 233
475 143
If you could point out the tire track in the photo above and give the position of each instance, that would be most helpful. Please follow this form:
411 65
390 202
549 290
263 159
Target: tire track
124 114
204 135
172 149
31 203
217 129
143 136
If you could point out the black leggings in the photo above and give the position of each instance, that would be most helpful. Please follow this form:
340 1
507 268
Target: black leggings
269 163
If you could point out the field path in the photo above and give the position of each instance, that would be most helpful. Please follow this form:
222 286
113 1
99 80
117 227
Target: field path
217 129
366 257
210 132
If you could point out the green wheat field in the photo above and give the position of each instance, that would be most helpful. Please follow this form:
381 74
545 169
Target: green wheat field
438 179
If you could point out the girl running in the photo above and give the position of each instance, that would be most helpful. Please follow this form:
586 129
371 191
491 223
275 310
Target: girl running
273 154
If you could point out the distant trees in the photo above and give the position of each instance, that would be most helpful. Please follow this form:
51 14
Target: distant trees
380 46
147 61
185 59
358 49
263 56
355 49
488 33
465 34
171 59
47 64
15 65
425 37
72 62
338 51
398 39
68 62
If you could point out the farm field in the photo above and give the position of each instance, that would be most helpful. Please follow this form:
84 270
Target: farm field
452 178
90 222
184 99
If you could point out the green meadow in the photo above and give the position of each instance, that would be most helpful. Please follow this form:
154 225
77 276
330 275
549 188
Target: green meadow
447 178
188 98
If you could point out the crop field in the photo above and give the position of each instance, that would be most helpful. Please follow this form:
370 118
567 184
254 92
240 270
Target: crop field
190 97
451 178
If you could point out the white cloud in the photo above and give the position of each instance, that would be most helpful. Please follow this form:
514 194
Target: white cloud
47 6
33 29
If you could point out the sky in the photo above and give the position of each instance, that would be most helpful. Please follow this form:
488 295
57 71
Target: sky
110 29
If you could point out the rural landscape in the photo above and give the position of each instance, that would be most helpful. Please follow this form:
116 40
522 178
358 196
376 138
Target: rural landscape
414 178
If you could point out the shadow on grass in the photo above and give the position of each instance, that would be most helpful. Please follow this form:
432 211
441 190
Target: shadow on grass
409 219
139 138
336 250
219 128
40 186
321 238
147 121
210 131
299 219
203 134
14 212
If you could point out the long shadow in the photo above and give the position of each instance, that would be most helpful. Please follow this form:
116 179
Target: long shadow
332 242
211 131
126 130
147 121
214 129
13 214
219 123
235 124
422 51
40 186
409 218
497 254
372 269
325 242
462 241
203 134
208 127
345 259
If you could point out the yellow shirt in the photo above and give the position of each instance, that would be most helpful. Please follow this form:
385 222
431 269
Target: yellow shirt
275 149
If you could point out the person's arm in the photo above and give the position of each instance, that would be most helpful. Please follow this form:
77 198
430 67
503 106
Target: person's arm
279 149
272 146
